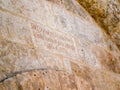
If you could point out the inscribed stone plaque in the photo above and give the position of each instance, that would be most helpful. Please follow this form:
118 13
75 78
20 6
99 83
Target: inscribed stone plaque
53 40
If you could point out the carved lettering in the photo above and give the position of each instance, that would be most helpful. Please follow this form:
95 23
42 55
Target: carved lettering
53 40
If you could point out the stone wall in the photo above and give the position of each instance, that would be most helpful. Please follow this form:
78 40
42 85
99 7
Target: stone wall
54 45
107 14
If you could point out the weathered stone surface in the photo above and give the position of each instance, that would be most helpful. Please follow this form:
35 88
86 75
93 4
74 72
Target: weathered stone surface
41 80
54 45
15 57
107 59
58 80
96 79
107 15
14 28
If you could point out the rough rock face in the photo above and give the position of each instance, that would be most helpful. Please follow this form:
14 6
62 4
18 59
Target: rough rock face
107 15
54 45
